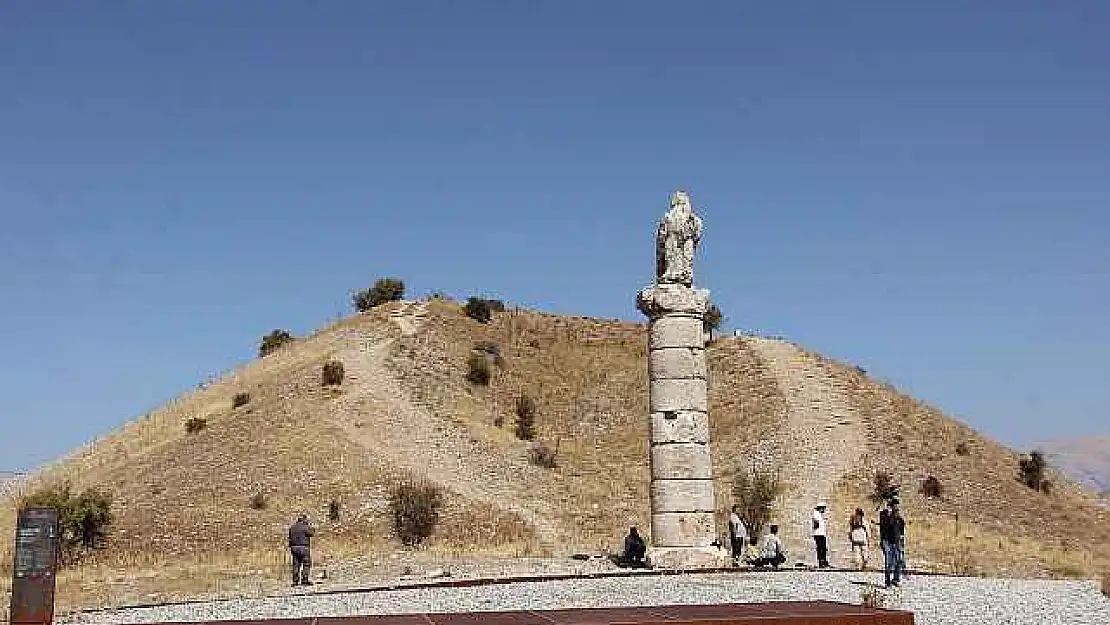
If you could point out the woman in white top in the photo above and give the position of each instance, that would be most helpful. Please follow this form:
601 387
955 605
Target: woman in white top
858 536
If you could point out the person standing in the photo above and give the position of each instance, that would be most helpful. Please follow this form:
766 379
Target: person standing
892 536
820 536
300 547
737 534
859 538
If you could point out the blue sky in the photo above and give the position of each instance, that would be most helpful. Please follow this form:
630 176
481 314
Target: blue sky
922 189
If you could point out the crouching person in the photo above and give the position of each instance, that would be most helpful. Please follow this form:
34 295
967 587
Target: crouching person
772 553
635 550
300 538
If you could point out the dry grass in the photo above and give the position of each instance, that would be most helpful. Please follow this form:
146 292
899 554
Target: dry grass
589 385
184 525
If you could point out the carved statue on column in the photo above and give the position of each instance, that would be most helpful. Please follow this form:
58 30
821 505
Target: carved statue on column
676 241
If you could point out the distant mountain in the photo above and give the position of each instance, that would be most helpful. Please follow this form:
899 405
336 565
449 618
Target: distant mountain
1086 459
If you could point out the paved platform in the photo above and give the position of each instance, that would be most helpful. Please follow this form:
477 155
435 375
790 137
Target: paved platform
775 613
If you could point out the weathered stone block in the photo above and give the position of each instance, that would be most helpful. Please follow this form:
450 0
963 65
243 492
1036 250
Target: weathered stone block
687 558
677 362
682 496
680 427
679 394
663 299
677 331
681 461
683 529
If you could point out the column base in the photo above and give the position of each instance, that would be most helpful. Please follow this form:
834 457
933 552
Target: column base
687 558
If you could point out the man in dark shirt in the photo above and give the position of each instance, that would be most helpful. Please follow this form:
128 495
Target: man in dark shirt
892 536
300 538
635 549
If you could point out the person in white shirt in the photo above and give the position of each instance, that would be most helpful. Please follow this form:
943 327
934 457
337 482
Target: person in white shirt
738 535
820 536
772 553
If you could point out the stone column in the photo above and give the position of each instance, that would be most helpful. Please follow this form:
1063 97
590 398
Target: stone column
683 524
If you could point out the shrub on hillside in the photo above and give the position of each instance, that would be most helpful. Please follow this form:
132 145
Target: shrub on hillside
755 492
240 399
258 501
525 418
713 319
478 309
931 487
543 456
333 510
274 341
1031 471
478 371
883 488
84 519
384 290
962 449
195 424
415 510
332 373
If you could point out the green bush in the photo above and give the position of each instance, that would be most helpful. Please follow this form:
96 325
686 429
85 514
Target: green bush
240 399
931 487
478 370
480 309
333 510
1031 471
525 418
332 373
273 341
84 518
883 488
543 456
713 319
755 493
415 509
962 449
384 290
195 424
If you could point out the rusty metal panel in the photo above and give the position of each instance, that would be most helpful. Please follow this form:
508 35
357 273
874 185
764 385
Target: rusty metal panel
36 562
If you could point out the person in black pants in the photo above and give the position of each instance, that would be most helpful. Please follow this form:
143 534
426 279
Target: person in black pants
892 537
300 539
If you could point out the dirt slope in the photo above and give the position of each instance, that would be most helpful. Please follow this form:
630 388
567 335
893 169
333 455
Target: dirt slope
405 410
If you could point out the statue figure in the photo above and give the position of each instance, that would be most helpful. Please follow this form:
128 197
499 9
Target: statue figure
675 242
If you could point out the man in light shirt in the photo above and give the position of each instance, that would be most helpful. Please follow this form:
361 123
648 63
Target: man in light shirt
737 534
820 536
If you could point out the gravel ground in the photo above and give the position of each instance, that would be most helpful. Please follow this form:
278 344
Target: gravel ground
934 600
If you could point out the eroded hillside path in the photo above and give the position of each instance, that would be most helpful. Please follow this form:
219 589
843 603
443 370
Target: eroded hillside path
375 411
822 437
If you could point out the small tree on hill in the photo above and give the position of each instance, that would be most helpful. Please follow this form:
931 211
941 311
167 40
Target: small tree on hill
1031 471
274 341
84 518
931 487
525 418
884 488
755 492
384 290
332 373
478 369
415 509
713 319
478 309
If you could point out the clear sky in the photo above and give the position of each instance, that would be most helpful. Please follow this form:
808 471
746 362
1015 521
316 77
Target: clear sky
921 188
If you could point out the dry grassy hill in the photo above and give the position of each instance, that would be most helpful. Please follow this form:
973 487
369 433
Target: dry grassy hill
182 501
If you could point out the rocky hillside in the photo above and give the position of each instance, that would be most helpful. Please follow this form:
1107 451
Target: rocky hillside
213 503
1087 460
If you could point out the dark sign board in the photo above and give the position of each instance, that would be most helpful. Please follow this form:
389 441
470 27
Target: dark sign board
36 559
